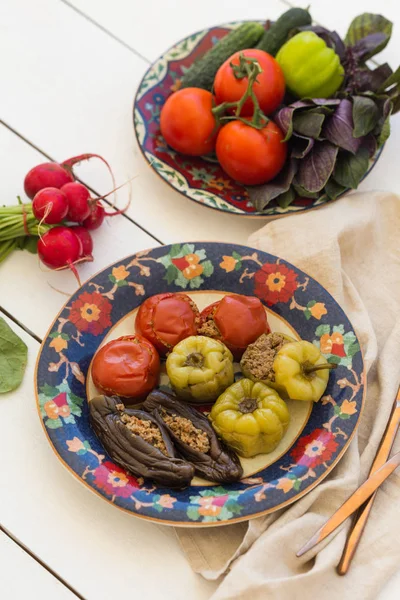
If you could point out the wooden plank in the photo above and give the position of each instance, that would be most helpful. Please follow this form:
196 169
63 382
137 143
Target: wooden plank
23 577
157 25
25 289
99 550
74 94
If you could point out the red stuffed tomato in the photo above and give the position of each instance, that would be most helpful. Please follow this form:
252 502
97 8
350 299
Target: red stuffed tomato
166 319
269 87
236 320
251 156
187 123
128 366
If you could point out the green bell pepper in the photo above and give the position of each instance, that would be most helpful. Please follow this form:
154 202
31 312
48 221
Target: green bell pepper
311 69
250 417
200 369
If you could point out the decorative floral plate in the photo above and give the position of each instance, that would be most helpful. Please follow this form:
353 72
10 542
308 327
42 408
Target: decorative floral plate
199 179
105 308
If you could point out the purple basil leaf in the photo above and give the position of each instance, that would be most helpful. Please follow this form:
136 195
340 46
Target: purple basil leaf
333 189
302 192
261 195
370 45
316 168
308 123
351 168
366 79
284 119
301 146
365 115
369 142
338 128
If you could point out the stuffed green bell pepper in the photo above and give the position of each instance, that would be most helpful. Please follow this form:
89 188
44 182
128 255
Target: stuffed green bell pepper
311 69
250 417
200 369
296 369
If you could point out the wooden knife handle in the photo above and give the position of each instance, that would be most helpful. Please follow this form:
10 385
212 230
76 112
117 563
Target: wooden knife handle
362 516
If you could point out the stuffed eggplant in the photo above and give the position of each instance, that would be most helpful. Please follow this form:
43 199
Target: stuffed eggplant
194 437
138 442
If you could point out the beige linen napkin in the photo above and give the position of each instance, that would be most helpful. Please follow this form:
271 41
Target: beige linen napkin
352 248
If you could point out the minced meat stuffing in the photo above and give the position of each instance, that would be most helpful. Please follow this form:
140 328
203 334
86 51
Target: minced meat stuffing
209 329
147 430
187 432
258 359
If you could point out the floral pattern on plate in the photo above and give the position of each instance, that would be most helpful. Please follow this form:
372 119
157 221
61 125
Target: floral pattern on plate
83 323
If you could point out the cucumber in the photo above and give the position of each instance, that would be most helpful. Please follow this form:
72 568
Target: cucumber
278 33
202 72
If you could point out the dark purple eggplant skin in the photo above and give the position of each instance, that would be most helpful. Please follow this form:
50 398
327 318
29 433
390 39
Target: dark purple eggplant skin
219 464
131 451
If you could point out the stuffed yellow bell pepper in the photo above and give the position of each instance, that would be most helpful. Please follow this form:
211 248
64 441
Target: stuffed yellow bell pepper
200 369
297 370
250 417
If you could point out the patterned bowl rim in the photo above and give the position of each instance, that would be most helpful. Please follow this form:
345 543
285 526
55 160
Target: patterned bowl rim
257 214
196 523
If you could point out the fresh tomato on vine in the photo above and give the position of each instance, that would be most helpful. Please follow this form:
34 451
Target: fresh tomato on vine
187 123
251 156
166 319
232 78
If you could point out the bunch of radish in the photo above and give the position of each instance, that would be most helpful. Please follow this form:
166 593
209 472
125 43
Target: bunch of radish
62 214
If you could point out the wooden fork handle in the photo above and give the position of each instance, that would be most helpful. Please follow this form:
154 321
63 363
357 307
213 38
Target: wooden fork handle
361 518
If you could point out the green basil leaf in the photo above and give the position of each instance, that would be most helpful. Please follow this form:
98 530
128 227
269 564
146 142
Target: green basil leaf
308 123
333 189
393 79
303 193
316 168
285 199
13 358
366 24
365 115
385 132
261 195
351 168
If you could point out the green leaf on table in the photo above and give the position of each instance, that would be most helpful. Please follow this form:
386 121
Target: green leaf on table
13 358
365 115
368 24
316 168
308 123
351 168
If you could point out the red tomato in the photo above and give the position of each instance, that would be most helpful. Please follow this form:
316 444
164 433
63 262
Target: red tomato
187 123
251 156
269 87
236 320
128 366
166 319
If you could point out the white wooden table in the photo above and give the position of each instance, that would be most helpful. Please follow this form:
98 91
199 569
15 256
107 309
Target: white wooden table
69 71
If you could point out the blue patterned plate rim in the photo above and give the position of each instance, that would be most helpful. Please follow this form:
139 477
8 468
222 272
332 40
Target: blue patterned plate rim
112 293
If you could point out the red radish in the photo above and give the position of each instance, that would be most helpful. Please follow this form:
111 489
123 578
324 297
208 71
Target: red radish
96 217
60 248
79 201
50 205
56 175
46 175
86 241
